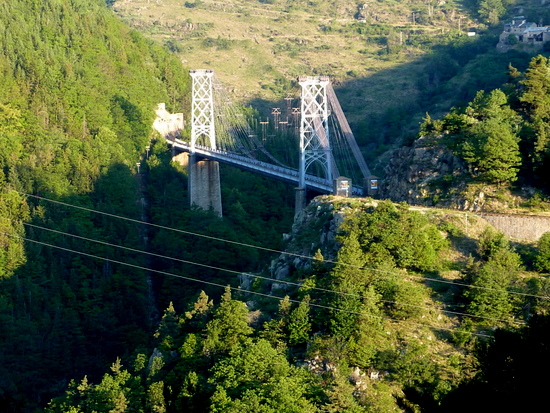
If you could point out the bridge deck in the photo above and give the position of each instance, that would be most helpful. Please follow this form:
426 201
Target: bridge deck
285 174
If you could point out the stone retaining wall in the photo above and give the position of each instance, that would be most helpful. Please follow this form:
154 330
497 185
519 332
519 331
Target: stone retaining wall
521 227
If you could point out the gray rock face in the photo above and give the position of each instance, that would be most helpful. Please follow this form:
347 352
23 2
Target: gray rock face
314 228
424 174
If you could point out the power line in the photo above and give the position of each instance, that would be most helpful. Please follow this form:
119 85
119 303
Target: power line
274 250
325 290
233 288
136 221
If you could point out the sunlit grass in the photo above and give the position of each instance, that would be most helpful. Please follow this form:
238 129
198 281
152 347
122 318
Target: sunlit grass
251 44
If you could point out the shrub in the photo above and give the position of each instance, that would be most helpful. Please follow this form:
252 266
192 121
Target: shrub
542 260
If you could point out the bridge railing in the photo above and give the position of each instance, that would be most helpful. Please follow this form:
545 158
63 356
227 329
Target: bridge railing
284 173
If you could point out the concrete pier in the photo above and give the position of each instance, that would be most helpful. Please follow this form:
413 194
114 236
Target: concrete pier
300 202
204 184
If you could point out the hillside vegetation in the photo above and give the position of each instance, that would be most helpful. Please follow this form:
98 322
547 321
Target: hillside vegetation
77 92
371 307
258 48
492 154
399 318
390 62
379 55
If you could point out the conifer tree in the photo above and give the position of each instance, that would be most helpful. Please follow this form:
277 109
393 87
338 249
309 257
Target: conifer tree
490 300
299 325
168 330
199 313
535 100
275 330
256 378
498 158
542 260
491 10
228 327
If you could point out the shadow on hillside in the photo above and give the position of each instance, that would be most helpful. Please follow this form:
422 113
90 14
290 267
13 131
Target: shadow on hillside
76 305
384 109
74 308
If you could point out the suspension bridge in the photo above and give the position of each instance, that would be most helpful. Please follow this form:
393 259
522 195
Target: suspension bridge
314 148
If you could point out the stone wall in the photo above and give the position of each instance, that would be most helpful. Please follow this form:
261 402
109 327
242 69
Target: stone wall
520 227
166 123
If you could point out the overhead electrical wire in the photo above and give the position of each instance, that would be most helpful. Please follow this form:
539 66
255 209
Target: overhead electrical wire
325 290
426 279
139 267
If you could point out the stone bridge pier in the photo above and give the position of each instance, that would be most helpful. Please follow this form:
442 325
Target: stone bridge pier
203 182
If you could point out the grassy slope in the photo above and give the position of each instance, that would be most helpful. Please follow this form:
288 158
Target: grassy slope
258 50
263 42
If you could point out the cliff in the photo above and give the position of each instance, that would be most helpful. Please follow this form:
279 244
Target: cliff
424 174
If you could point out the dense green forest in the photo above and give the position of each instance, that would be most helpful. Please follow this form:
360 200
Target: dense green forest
502 134
76 98
377 329
405 311
77 94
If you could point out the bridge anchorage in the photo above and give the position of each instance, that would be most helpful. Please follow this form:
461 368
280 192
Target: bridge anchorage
220 133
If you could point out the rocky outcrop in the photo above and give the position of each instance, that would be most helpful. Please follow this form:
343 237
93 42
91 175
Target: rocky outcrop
428 174
315 229
423 174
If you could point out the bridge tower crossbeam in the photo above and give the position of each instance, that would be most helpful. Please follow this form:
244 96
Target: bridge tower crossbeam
317 165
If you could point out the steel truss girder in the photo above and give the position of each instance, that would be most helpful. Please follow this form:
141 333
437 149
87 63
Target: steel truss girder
314 135
202 108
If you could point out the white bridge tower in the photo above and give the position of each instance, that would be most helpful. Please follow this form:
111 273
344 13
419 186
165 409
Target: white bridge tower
314 135
204 175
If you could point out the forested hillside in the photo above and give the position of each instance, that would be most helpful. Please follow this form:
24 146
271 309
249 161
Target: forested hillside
502 134
371 307
77 92
492 154
400 319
